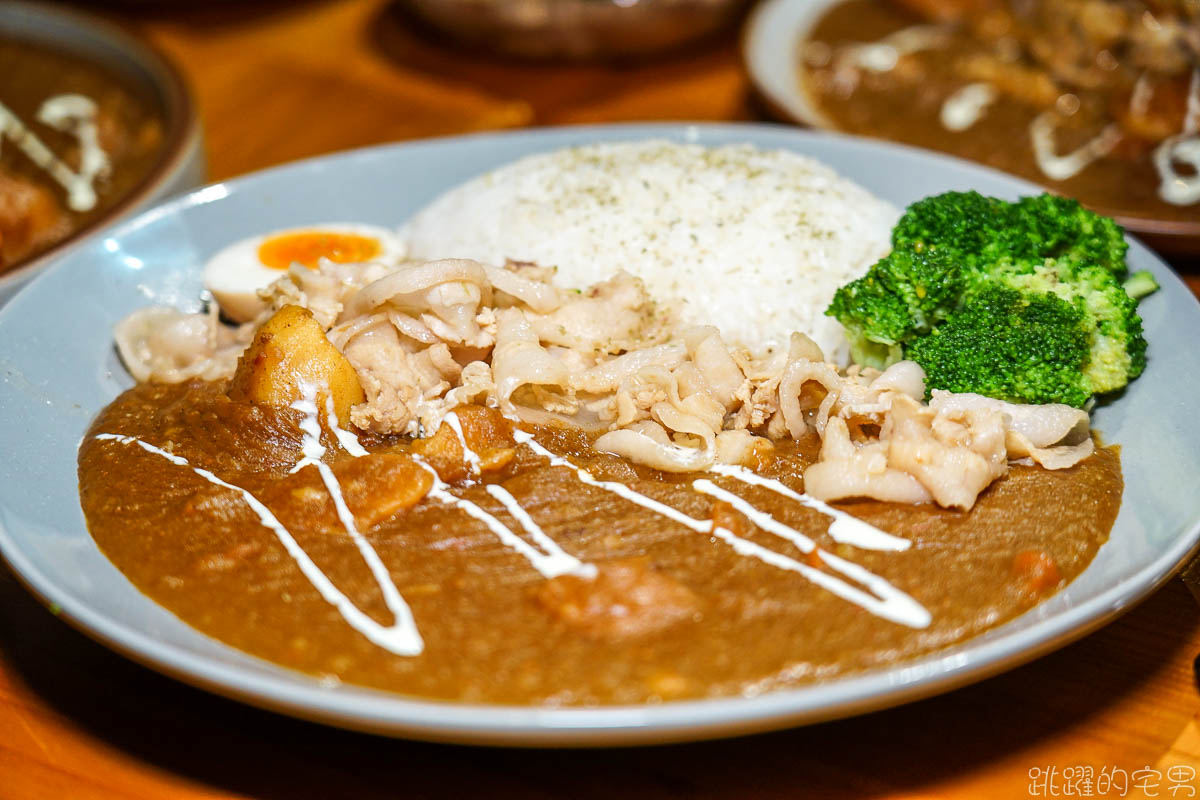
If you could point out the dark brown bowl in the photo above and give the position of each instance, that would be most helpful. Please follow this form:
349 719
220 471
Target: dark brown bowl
576 29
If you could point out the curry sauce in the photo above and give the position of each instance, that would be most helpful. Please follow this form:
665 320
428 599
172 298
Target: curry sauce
668 613
906 102
130 133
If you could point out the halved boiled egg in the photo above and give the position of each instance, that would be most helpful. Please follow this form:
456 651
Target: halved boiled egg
235 274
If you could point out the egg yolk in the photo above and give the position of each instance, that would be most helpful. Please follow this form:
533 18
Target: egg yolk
308 247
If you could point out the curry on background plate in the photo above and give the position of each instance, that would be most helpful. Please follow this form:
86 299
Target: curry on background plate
1095 99
75 139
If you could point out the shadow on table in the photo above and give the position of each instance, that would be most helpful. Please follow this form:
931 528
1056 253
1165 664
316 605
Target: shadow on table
242 750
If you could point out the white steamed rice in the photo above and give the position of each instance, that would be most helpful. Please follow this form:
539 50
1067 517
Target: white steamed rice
752 241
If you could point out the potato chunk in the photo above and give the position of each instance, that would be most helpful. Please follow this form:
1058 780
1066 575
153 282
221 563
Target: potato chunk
375 487
289 349
485 431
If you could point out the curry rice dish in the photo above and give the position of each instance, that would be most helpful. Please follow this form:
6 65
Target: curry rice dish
459 481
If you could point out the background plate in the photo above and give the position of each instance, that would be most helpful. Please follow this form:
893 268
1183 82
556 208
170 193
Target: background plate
771 49
59 369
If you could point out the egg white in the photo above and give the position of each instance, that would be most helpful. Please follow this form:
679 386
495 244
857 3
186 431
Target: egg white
235 274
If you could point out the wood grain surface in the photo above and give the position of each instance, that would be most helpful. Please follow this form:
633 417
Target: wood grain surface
285 81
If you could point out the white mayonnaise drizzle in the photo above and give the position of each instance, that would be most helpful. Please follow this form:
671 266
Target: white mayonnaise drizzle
620 489
1139 98
346 439
845 528
963 108
884 600
1175 188
551 563
883 55
313 450
1059 168
73 114
469 455
401 638
555 561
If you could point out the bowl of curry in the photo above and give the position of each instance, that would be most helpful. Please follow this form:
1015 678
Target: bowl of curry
1097 101
94 125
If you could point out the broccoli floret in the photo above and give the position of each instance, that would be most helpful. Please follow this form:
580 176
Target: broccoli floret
966 221
988 230
1118 348
953 249
900 298
1049 226
1024 347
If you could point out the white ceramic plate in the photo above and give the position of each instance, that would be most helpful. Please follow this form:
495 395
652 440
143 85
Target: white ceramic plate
59 370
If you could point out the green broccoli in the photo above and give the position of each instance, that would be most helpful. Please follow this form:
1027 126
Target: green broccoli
903 296
953 251
988 230
1140 284
1049 226
1118 349
1024 348
966 221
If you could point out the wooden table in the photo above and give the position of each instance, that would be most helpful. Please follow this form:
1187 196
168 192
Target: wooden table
78 722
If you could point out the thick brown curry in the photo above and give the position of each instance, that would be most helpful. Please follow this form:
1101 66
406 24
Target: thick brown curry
34 212
672 613
903 104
